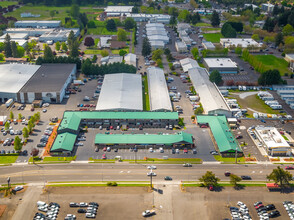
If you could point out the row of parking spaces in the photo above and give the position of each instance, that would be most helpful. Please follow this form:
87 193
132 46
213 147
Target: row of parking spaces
50 211
266 212
289 206
45 137
145 151
241 213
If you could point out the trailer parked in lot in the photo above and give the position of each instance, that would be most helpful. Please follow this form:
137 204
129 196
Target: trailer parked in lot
9 103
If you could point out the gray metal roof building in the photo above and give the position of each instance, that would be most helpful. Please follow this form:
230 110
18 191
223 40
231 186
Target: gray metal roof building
13 77
122 92
158 92
211 98
48 83
37 24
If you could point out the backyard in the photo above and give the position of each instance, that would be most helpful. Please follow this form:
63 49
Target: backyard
201 24
7 3
273 62
213 37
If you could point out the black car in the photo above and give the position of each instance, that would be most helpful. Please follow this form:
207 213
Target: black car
168 178
270 207
115 150
54 204
273 214
246 177
25 152
82 210
173 151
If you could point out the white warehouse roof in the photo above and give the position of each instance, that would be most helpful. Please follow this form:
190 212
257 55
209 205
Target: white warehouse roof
188 63
121 91
158 92
210 97
243 42
118 9
14 76
15 36
131 59
220 63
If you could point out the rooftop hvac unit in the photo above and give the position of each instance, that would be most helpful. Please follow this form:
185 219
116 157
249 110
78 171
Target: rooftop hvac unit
221 64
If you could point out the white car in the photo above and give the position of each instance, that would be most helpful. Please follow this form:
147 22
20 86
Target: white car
44 110
151 167
18 188
148 213
151 174
150 149
90 215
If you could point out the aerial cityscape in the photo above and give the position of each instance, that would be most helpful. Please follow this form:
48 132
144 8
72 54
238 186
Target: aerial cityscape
136 109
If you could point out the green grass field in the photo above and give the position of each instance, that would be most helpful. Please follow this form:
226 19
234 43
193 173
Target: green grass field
8 159
57 159
4 4
92 51
213 37
117 51
201 24
146 104
101 31
229 159
272 62
210 29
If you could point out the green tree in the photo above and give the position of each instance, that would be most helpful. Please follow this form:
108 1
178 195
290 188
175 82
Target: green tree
20 51
19 116
238 50
11 115
123 53
209 179
228 31
17 143
215 77
173 21
25 133
74 52
183 15
104 53
14 49
7 46
270 77
280 176
57 46
71 39
199 110
30 127
195 53
234 179
146 48
129 23
156 54
121 35
255 37
75 10
6 126
91 24
110 25
37 116
215 20
52 13
64 46
2 57
166 51
279 39
288 30
48 55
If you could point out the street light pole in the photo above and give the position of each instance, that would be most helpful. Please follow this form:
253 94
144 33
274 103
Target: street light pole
236 155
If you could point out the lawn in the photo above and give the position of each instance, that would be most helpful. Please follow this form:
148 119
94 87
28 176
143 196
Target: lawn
92 51
117 51
44 11
255 103
101 30
96 41
8 159
201 24
272 62
7 3
210 29
229 159
57 159
146 104
213 37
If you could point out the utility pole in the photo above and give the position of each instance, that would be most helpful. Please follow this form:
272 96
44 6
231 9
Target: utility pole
236 155
151 180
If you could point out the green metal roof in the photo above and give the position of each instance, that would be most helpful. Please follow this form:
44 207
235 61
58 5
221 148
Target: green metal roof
71 119
222 134
64 142
143 138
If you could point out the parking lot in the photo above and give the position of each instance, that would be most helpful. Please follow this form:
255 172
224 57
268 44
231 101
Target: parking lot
194 203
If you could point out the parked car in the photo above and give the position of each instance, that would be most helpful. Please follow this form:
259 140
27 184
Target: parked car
82 210
213 152
104 157
74 204
270 207
289 168
239 136
148 213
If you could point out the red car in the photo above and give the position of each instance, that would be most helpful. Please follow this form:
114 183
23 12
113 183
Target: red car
210 188
289 168
104 149
227 173
185 151
203 126
239 136
111 127
104 157
259 206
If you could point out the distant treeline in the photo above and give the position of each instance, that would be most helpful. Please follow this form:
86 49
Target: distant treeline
83 2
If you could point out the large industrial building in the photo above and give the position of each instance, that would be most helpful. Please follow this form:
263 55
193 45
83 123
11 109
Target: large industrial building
25 83
188 63
48 83
152 18
121 92
210 97
13 77
158 92
19 38
207 45
180 46
131 59
273 141
117 11
72 121
240 42
223 65
222 136
37 24
157 35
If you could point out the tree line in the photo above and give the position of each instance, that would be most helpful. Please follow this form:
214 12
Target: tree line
88 68
11 48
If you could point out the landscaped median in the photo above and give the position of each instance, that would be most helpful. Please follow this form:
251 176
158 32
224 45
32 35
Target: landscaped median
104 183
229 159
52 160
224 184
6 160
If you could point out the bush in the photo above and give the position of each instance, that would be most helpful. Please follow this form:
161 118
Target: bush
111 184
